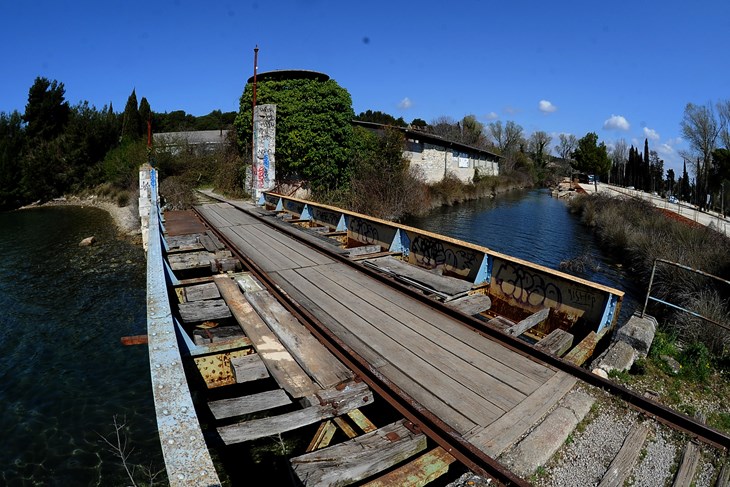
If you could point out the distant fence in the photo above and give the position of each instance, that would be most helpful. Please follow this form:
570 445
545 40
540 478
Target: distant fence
516 287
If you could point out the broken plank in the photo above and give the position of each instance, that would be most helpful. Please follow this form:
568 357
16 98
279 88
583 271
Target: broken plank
361 420
358 458
583 351
213 309
314 358
472 304
200 292
419 472
346 428
326 405
445 285
624 460
254 403
248 368
529 322
282 366
557 342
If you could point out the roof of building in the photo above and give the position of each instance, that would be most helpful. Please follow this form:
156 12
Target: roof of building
193 137
283 74
430 138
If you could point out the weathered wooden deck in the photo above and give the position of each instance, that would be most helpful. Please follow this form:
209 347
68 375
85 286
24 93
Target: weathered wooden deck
489 394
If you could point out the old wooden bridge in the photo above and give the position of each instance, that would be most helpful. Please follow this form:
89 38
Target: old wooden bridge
292 315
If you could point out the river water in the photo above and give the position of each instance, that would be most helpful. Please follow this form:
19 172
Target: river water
63 373
533 226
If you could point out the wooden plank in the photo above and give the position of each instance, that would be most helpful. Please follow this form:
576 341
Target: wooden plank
325 405
212 309
278 360
583 351
688 465
509 361
248 368
258 250
313 357
208 243
624 460
209 214
194 280
358 458
291 283
472 304
363 250
221 346
200 292
323 436
294 245
723 479
417 473
346 428
533 320
456 343
361 420
500 435
420 360
214 238
444 284
557 342
196 260
254 403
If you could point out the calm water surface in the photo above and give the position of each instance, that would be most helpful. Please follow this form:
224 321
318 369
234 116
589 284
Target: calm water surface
533 226
63 373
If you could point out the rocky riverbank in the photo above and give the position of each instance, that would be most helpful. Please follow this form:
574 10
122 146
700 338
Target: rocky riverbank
126 218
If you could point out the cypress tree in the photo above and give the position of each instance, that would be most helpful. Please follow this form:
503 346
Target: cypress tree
145 115
130 119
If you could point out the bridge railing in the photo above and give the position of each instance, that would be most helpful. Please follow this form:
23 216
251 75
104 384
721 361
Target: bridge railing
517 288
186 455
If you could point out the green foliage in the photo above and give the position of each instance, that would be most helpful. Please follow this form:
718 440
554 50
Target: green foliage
12 140
719 420
591 157
695 360
131 121
46 112
419 124
121 165
145 115
381 118
664 344
382 183
313 129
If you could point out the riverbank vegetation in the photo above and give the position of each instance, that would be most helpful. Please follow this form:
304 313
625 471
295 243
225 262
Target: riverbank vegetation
689 362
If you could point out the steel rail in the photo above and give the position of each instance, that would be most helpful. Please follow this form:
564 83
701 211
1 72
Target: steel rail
471 457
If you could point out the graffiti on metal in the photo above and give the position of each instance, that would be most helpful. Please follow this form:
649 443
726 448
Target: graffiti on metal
430 252
326 217
365 231
526 286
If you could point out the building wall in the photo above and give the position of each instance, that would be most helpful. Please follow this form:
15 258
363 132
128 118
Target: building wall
436 161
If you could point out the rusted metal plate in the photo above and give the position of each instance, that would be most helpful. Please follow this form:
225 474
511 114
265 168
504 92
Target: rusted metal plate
216 369
183 223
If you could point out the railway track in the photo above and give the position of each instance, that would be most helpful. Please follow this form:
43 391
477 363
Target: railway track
420 420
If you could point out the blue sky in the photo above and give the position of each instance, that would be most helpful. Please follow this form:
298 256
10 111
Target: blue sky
621 69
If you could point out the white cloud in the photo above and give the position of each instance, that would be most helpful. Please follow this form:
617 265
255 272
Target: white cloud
405 103
491 116
651 134
546 107
665 150
616 122
510 110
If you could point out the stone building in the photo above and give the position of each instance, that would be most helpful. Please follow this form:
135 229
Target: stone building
196 141
438 157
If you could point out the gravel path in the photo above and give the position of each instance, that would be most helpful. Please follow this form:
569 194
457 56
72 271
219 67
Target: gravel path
587 453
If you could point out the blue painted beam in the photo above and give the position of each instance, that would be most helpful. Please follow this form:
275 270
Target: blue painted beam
484 274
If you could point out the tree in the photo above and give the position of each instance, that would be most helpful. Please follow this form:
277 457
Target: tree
145 115
131 122
566 146
381 118
700 128
12 140
619 156
591 157
47 111
313 129
670 180
419 124
472 131
539 146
